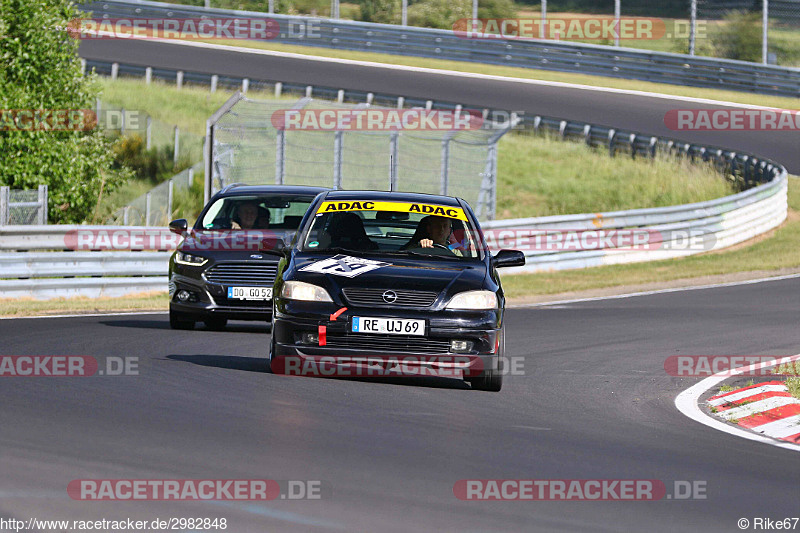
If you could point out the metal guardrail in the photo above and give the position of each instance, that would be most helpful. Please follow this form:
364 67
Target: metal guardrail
560 56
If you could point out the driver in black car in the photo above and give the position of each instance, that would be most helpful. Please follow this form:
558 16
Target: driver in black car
432 230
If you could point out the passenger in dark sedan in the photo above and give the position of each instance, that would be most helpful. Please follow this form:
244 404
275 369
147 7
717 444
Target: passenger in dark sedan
346 230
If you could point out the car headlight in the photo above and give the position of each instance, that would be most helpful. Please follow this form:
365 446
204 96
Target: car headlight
189 259
473 300
298 290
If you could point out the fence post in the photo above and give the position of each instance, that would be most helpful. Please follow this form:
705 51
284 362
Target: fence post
125 211
338 139
170 191
445 166
340 96
493 182
83 67
148 75
245 85
147 209
309 90
278 89
177 146
611 134
280 153
97 109
149 132
179 79
4 193
370 97
394 148
42 214
214 81
400 102
114 70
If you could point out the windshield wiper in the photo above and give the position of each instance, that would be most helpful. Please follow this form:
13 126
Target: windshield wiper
419 254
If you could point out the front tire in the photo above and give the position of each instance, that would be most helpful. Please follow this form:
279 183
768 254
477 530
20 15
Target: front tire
492 380
272 347
180 321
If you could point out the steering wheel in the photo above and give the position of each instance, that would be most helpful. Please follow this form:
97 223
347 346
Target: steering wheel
442 246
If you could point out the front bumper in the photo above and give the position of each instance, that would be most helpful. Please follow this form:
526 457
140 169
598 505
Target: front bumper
209 300
306 333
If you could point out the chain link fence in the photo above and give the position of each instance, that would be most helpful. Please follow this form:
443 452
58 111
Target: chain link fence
161 204
19 207
247 147
154 133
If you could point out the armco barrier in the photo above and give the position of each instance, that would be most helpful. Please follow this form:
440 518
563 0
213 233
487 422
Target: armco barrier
561 56
715 224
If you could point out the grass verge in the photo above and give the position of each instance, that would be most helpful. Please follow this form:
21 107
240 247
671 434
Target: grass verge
524 73
538 176
135 302
780 250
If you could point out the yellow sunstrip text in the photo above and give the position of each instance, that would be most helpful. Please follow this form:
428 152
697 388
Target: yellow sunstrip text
403 207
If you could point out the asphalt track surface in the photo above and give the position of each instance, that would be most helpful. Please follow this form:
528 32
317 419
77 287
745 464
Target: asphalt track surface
594 402
637 113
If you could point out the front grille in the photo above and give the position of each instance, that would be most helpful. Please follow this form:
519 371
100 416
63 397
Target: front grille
387 343
243 274
374 297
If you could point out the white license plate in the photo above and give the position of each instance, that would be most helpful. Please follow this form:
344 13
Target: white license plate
392 326
250 293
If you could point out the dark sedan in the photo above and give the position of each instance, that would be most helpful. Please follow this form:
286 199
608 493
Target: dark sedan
391 280
223 269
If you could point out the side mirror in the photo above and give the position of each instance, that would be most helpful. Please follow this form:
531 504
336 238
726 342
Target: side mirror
273 246
509 258
179 226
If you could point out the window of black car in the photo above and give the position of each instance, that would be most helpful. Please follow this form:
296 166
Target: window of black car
392 232
280 212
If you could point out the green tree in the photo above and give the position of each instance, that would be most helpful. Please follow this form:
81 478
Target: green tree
41 70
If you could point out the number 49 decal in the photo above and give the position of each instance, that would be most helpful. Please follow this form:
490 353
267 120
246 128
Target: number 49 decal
344 265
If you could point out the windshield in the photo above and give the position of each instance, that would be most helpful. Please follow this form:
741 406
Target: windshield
392 227
275 212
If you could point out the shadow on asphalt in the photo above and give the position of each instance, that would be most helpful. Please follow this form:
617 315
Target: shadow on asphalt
242 327
260 364
228 362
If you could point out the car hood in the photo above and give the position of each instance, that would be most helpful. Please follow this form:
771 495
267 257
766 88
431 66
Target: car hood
393 272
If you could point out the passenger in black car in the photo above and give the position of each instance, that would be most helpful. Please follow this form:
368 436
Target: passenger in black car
346 230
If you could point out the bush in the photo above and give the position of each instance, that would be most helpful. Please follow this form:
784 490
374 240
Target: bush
739 37
41 70
154 165
438 13
382 11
